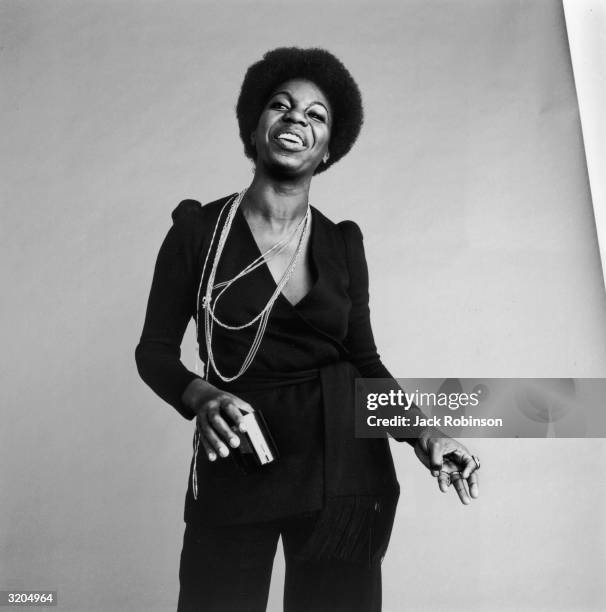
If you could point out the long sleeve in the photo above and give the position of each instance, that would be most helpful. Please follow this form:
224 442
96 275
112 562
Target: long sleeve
170 306
360 339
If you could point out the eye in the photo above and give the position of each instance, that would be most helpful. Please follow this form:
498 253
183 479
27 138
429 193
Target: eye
317 115
277 104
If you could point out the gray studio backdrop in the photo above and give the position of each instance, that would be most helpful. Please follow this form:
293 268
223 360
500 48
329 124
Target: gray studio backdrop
470 186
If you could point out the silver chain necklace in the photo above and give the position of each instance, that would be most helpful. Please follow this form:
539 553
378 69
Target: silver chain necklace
209 303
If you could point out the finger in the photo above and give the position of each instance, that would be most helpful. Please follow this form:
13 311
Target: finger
213 439
469 466
422 455
220 426
423 443
474 485
435 457
213 404
210 453
444 481
460 487
234 413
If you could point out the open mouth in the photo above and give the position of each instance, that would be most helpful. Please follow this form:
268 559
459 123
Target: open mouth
290 141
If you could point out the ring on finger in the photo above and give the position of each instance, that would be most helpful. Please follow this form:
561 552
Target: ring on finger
444 475
455 476
476 460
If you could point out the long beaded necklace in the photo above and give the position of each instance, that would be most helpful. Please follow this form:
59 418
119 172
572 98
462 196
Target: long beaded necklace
208 306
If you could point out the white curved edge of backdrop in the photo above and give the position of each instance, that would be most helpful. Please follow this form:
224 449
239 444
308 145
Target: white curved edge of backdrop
586 27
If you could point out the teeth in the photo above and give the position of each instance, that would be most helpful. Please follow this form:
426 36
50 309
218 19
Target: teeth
291 137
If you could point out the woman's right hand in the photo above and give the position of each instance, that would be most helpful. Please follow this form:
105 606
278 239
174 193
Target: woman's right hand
216 412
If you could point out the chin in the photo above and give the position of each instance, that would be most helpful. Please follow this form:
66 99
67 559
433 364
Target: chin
287 168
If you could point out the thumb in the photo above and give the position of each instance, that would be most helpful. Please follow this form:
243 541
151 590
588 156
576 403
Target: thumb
435 459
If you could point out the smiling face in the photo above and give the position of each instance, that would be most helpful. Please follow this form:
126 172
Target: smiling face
293 131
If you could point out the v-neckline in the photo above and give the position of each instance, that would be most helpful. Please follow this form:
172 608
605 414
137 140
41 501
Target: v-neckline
315 269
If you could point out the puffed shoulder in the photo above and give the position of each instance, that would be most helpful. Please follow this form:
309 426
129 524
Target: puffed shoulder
185 209
191 213
349 227
352 236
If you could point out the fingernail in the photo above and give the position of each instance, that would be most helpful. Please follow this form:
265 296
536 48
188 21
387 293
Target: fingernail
435 473
235 442
223 451
212 456
242 427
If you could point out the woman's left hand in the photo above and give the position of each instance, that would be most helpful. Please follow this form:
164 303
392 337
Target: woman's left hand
450 462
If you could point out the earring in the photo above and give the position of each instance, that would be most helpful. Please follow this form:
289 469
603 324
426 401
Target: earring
325 158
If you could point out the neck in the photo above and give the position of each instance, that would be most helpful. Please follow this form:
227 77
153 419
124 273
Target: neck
279 204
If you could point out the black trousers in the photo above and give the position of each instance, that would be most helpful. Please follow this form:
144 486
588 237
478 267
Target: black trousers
228 569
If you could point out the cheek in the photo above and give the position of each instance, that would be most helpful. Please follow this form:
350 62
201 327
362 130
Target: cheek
260 133
322 136
259 128
267 118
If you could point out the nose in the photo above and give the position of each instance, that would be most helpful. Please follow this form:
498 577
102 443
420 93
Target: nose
294 115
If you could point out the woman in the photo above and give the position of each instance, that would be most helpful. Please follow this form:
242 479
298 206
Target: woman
280 293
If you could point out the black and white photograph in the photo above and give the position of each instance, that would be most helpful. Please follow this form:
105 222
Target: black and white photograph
304 305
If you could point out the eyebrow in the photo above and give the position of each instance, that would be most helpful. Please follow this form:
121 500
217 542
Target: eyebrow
285 93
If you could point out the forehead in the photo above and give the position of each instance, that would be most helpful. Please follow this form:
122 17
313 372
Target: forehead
304 90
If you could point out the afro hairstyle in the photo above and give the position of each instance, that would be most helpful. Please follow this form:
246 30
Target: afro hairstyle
317 65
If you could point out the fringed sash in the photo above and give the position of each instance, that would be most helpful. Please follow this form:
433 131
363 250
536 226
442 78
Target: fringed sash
360 486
